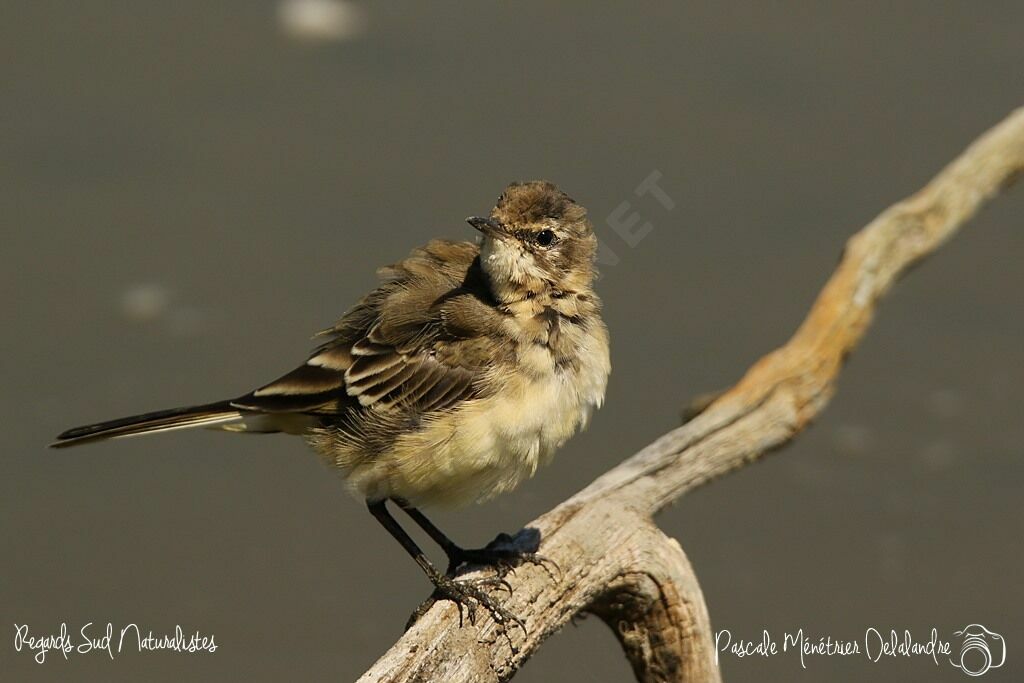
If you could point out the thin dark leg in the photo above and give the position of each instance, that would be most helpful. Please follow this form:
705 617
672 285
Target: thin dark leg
380 512
447 545
497 553
462 593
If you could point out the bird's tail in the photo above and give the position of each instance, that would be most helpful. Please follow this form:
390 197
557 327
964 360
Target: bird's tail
221 414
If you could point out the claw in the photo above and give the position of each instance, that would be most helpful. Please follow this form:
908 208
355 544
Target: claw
547 564
496 582
504 561
502 556
467 594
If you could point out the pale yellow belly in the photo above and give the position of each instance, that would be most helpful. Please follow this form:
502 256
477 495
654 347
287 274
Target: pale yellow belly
486 446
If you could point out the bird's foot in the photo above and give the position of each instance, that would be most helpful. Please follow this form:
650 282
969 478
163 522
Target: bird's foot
504 554
469 594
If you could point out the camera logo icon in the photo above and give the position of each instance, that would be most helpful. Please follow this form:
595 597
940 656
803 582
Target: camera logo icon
980 650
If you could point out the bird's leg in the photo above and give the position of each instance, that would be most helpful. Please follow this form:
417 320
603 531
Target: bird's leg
463 593
380 512
447 545
501 553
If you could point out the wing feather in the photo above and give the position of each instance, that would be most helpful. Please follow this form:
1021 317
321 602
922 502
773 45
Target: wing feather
305 379
369 395
367 369
417 343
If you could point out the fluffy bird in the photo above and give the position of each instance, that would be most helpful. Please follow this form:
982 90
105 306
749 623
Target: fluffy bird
451 382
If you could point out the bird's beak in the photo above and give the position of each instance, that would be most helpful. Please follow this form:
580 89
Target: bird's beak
488 226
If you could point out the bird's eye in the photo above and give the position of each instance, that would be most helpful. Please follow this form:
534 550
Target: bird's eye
545 238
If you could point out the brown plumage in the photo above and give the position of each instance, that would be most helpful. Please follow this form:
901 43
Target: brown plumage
453 380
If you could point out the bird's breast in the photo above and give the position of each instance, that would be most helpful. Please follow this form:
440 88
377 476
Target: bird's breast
495 443
488 445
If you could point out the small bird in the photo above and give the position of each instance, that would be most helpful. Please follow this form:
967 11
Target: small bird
452 382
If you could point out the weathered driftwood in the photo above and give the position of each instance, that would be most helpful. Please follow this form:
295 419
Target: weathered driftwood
614 562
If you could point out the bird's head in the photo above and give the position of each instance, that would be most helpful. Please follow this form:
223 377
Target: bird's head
536 240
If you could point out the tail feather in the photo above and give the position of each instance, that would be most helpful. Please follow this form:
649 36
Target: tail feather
209 415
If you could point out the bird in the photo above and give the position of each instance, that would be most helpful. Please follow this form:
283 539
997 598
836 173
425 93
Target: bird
453 381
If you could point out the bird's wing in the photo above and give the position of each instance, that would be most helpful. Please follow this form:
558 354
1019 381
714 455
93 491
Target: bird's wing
420 341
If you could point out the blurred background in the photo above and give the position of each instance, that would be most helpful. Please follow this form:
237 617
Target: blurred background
190 190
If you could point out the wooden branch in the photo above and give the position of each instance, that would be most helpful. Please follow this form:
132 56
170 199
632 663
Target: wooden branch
656 610
615 563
